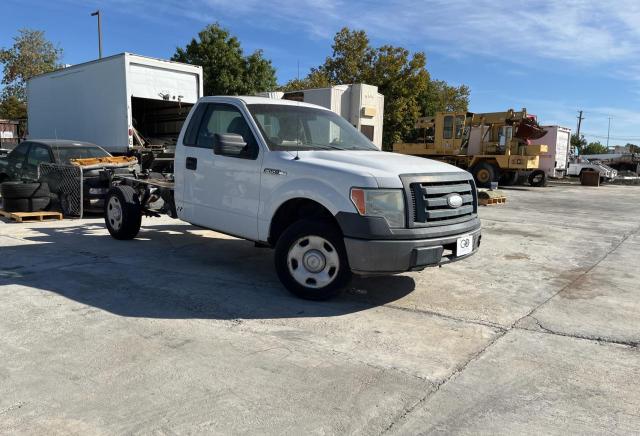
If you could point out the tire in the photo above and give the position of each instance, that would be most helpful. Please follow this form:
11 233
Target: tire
25 204
24 190
537 178
311 261
122 212
485 173
509 178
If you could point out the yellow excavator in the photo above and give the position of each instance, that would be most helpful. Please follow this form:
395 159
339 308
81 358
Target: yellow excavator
493 146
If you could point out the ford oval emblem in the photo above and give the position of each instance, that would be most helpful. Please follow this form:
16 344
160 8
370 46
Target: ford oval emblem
454 201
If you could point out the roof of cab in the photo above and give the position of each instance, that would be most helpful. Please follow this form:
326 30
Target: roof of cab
247 99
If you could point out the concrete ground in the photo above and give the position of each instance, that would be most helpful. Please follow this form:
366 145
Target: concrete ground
187 331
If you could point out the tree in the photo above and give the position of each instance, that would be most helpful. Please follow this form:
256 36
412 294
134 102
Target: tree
226 70
30 55
13 108
441 97
594 148
400 76
578 144
633 148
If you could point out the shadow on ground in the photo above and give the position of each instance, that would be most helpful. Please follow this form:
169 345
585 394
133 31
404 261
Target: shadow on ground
172 271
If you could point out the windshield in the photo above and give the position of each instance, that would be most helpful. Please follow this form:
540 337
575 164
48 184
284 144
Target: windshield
287 127
65 154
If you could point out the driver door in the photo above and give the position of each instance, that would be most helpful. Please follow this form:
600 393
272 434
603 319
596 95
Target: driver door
222 192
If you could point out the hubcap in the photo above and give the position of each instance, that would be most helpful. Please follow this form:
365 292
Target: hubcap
313 262
483 175
114 213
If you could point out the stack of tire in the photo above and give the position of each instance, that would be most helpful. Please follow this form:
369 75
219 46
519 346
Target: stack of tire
24 196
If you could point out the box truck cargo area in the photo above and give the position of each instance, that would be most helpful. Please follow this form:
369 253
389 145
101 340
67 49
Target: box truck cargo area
157 122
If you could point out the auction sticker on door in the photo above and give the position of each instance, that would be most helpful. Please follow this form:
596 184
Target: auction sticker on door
465 245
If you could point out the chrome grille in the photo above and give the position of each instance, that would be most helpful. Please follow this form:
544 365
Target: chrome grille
429 200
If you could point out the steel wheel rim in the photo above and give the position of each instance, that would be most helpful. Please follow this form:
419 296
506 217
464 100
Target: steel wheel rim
114 213
483 176
313 262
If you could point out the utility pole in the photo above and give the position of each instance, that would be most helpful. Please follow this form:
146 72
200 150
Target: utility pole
580 118
608 132
94 14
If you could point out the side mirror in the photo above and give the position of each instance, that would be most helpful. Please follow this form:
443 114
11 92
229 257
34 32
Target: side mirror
229 144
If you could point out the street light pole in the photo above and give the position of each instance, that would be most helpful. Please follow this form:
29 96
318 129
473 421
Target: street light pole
608 132
93 14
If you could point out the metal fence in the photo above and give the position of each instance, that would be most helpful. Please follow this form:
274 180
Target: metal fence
65 181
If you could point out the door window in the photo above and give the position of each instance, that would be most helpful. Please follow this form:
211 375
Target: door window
447 131
225 119
459 126
37 155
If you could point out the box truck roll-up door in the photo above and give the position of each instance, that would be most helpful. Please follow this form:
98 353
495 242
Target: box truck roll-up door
156 83
160 102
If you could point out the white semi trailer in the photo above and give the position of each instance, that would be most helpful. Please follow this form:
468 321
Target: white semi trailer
124 103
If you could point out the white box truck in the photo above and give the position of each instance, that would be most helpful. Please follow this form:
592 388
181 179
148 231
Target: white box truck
122 103
554 161
360 104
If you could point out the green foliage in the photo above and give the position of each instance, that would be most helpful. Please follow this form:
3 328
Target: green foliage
400 76
441 97
633 148
31 54
12 108
226 70
578 144
594 148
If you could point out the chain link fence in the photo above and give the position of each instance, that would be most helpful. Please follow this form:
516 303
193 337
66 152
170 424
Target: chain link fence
66 182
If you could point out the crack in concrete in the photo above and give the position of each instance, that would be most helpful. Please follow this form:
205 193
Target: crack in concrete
407 411
600 339
480 322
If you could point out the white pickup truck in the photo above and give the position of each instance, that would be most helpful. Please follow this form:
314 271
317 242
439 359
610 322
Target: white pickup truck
576 168
301 179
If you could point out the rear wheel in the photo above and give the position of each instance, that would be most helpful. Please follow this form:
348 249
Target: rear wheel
485 173
122 212
311 260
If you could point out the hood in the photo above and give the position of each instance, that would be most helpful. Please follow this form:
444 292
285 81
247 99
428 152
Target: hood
385 167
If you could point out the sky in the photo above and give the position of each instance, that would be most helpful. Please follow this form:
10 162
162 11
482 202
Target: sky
552 57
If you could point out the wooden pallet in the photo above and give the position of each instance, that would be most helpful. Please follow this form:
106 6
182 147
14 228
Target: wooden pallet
31 216
491 201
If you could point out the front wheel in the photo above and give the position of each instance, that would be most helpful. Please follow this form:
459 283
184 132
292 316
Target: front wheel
485 173
311 260
122 212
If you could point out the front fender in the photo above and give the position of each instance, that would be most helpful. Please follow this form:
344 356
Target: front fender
333 199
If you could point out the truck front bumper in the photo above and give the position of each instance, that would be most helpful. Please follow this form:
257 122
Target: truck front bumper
371 252
393 256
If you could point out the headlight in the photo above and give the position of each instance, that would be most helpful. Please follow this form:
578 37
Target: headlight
386 203
95 191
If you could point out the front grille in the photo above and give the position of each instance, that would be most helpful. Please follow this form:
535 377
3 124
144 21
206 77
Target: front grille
429 200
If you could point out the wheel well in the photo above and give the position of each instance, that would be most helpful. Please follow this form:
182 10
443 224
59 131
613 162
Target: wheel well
294 210
3 177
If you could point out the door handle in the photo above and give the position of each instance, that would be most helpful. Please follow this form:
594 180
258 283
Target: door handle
192 163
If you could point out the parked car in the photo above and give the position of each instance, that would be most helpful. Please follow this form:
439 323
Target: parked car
22 164
302 179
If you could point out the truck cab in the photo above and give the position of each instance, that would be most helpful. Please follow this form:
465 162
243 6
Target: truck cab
301 179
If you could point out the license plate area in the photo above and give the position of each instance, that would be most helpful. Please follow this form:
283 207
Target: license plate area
464 245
